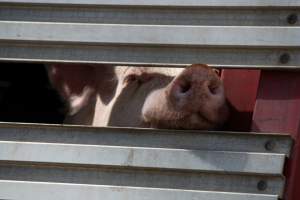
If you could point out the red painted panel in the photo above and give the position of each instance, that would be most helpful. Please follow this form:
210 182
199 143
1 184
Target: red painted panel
277 109
241 88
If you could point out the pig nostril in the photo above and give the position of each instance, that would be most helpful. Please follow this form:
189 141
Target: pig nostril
186 86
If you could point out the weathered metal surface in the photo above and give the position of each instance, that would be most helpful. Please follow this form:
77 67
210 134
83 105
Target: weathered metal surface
193 161
147 138
134 177
209 16
168 3
171 33
138 55
38 190
229 162
133 44
106 34
111 163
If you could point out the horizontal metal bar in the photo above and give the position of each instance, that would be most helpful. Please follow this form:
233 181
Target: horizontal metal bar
150 16
45 191
167 52
160 160
162 56
167 3
143 178
177 159
151 138
230 36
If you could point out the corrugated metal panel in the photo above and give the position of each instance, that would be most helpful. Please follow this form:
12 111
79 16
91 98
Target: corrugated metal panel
77 34
140 163
67 162
263 34
134 177
48 191
167 56
179 159
168 3
212 16
148 138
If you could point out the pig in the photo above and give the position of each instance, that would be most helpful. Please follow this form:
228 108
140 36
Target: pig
148 97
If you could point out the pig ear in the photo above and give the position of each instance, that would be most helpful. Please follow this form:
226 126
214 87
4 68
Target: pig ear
75 83
217 71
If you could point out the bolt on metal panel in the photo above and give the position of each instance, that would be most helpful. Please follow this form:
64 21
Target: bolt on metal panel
192 36
203 161
151 138
255 34
180 159
77 191
133 177
202 16
66 161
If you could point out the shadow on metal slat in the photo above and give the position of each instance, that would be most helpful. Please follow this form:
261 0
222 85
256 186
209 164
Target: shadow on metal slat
141 44
151 138
143 178
149 15
165 3
254 34
239 165
177 159
260 58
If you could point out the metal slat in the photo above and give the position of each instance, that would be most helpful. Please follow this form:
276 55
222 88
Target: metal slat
120 163
161 56
152 138
152 56
45 191
173 45
234 162
169 45
167 3
143 178
149 15
72 154
172 160
151 35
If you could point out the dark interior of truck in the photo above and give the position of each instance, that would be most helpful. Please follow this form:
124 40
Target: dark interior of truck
26 95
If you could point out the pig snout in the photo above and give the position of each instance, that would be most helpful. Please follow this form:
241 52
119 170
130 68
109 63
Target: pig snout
194 99
194 87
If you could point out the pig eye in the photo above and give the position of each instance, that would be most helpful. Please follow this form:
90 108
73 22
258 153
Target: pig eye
130 78
140 79
185 87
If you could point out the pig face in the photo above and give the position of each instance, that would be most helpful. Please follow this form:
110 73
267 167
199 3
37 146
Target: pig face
102 95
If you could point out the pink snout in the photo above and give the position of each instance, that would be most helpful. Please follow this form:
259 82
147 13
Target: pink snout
196 86
195 99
